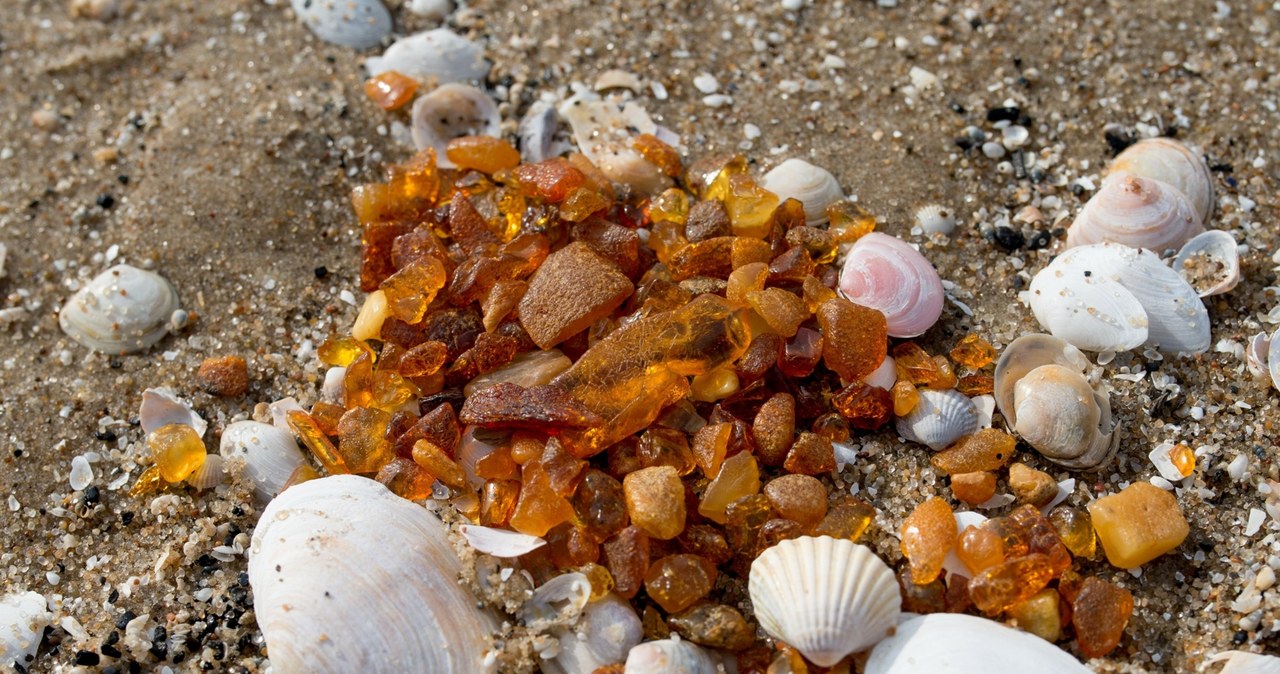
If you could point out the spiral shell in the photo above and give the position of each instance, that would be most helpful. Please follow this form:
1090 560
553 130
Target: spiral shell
270 455
826 597
1137 212
452 111
952 642
1172 163
350 23
1210 263
605 131
813 186
1045 397
348 577
939 419
437 56
888 275
122 310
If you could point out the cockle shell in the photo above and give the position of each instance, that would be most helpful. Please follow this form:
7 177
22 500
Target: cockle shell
1172 163
826 597
1109 297
437 56
1044 395
1210 263
1137 212
23 617
270 455
162 406
936 219
452 111
941 643
122 310
887 274
209 474
350 23
605 131
939 419
672 656
348 577
813 186
607 632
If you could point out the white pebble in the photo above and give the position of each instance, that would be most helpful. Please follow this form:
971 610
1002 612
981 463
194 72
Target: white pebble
792 5
921 78
81 473
432 9
1238 467
1266 578
717 100
1014 136
751 131
993 150
1256 518
1162 458
706 83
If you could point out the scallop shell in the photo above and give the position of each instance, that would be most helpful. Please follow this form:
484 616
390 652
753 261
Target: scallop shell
607 632
209 474
270 455
452 111
605 130
358 24
1172 163
952 642
122 310
1045 397
826 597
348 577
1109 297
813 186
936 219
1137 212
939 419
162 406
671 656
23 617
887 274
1215 263
440 56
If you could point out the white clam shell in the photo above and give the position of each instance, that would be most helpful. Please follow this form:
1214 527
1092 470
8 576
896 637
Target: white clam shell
209 474
604 131
939 419
270 455
348 577
162 406
1273 358
1172 163
1214 257
826 597
500 542
1137 212
1043 392
1255 355
608 630
23 617
358 24
813 186
452 111
942 643
887 274
280 410
122 310
1091 296
671 656
440 56
539 133
1242 662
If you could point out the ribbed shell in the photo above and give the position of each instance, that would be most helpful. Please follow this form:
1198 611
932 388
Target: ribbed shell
452 111
270 455
826 597
1173 163
813 186
953 643
209 474
886 274
939 419
1137 212
122 310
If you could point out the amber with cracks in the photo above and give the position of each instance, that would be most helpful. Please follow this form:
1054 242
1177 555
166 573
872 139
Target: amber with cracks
313 438
928 534
1099 614
855 338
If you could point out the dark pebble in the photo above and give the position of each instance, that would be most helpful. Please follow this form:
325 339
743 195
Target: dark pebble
1039 240
91 495
87 658
106 201
1004 114
126 518
124 619
321 272
1118 138
1008 238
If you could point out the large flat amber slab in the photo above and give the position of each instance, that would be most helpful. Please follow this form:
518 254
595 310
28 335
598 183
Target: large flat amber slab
1138 524
572 289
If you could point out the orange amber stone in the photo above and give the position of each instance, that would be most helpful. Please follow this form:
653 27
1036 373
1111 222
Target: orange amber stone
406 479
1010 582
1075 528
313 439
568 546
905 397
745 281
774 428
976 385
849 221
363 440
979 548
424 359
832 426
866 407
974 488
743 521
800 498
946 374
626 555
810 454
848 519
482 153
750 206
922 598
739 476
988 449
498 502
973 351
303 473
655 501
915 365
540 508
581 203
1184 459
572 289
149 482
178 451
666 447
1099 614
675 582
411 290
552 179
599 577
928 534
710 446
855 338
357 383
745 251
390 90
497 465
659 154
436 461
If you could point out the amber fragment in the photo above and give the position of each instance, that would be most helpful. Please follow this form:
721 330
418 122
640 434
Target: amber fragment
178 451
653 625
710 447
1182 456
421 242
744 519
717 384
988 449
849 221
979 548
777 530
760 357
498 502
905 397
750 207
1075 528
848 519
1030 485
406 479
440 426
572 289
745 251
974 352
436 461
744 281
411 290
810 454
675 582
801 353
569 546
866 407
783 311
313 439
626 555
375 263
482 153
539 507
655 501
599 577
1099 615
820 243
364 443
1010 582
973 488
581 203
303 473
563 469
225 376
658 153
915 364
357 382
423 360
599 503
976 385
712 257
1138 524
666 447
1039 615
673 206
800 498
928 534
739 476
342 351
1041 537
547 408
707 542
791 267
832 426
148 483
922 598
390 90
551 180
713 626
774 428
946 378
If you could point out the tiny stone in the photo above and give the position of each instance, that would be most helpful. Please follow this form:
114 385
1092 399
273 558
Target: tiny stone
226 376
1031 486
81 473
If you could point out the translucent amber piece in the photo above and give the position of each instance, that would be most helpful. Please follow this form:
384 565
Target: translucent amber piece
745 281
801 353
905 397
820 243
1039 615
655 501
546 408
810 454
866 407
178 451
774 428
1184 459
783 311
148 483
980 548
760 357
988 449
666 447
712 257
915 365
670 206
976 385
342 351
626 555
424 359
581 203
1099 615
435 461
539 507
568 546
363 439
777 530
411 290
675 582
800 498
572 289
746 251
552 179
357 383
744 519
313 439
564 470
303 473
406 479
666 239
791 267
849 221
848 519
974 488
1010 582
928 534
1041 537
497 465
832 426
599 577
1075 528
498 502
482 153
1138 524
739 476
750 206
600 506
706 541
717 384
946 374
659 154
973 351
390 90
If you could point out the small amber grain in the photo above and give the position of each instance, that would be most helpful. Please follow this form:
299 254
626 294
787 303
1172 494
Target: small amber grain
849 221
406 479
482 153
974 488
626 555
313 438
1075 528
774 428
1039 615
905 397
915 364
976 385
390 90
675 582
717 384
979 548
855 338
149 482
658 153
438 463
928 534
363 441
973 351
539 507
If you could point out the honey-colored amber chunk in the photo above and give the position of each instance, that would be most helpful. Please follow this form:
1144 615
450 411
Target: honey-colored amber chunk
928 534
626 555
363 439
750 206
973 351
178 451
406 479
849 221
774 428
783 311
988 449
659 154
1075 528
745 281
865 407
946 374
552 179
1184 459
670 206
424 359
498 502
708 220
341 351
810 454
717 384
303 473
979 548
572 289
800 498
1030 485
974 488
148 483
848 519
745 251
915 365
1099 614
313 438
1138 524
739 476
976 385
539 507
675 582
411 290
390 90
1010 582
905 397
439 464
482 153
655 501
1039 615
855 338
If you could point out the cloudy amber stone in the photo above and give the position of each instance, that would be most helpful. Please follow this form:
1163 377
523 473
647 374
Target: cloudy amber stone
1099 615
1138 524
482 153
855 338
739 476
677 581
988 449
655 501
928 534
178 451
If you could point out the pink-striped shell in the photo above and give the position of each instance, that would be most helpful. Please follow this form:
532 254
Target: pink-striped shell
1137 212
888 275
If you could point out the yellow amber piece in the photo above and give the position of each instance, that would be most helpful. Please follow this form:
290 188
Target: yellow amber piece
1138 524
973 351
1075 528
435 461
1010 582
482 153
670 206
341 351
946 374
745 280
357 383
717 384
655 501
412 289
666 239
849 221
979 548
1039 615
739 476
744 251
390 391
783 311
362 439
599 577
1184 459
314 440
373 313
717 183
905 397
178 451
149 482
581 203
849 519
750 207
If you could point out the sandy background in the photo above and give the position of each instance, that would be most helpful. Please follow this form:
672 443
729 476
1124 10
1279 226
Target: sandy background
216 141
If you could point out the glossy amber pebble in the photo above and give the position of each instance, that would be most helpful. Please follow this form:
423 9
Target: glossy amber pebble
411 290
658 153
783 311
390 90
750 206
498 501
810 454
313 438
976 385
849 221
626 555
988 449
1138 524
774 428
1041 537
357 383
378 237
178 451
928 534
791 267
599 577
744 281
1099 615
563 469
974 488
979 548
905 397
655 501
440 426
849 519
777 530
1039 615
800 498
946 374
739 476
675 582
436 461
149 482
498 465
1183 457
801 353
717 384
406 479
482 153
1010 582
865 407
855 338
572 289
744 519
342 351
363 440
581 203
1075 528
915 365
673 206
712 257
424 359
552 179
832 426
973 351
303 473
539 507
599 504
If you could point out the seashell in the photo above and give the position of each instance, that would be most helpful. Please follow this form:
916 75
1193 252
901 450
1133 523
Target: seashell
538 132
500 542
280 410
332 390
431 9
1109 297
1214 260
936 219
1137 212
671 656
953 642
348 577
884 375
826 597
1172 163
952 564
811 185
608 630
358 24
270 455
162 406
939 419
440 56
122 310
1042 392
617 79
209 474
1273 358
557 601
887 274
23 617
452 111
1243 662
604 131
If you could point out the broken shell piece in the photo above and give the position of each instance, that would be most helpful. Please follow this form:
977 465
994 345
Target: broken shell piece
888 275
452 111
440 56
939 419
1162 458
1241 662
1273 358
671 656
122 310
826 597
1172 163
952 642
162 406
605 131
23 617
557 601
1255 355
349 577
270 455
358 24
935 219
617 79
500 542
538 131
813 186
1210 263
1137 212
883 376
608 630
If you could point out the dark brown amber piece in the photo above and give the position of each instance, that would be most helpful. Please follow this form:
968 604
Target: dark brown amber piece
406 479
760 357
490 352
552 179
712 257
801 353
1100 612
600 505
614 243
440 426
832 426
791 266
570 546
225 376
547 408
675 582
714 626
855 338
707 220
777 530
423 360
810 454
866 407
922 598
572 289
626 555
774 429
376 242
707 542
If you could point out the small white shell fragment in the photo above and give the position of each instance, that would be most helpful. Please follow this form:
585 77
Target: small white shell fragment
4 256
270 455
538 132
936 219
706 83
1256 518
439 56
81 473
883 376
23 617
1161 457
617 79
1255 354
431 9
952 564
162 406
1172 163
122 310
452 111
500 542
604 131
607 632
209 474
1238 467
813 186
559 600
1273 358
1137 212
280 410
1014 136
888 275
921 78
1210 263
671 656
939 419
332 390
986 406
1241 662
952 642
358 24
